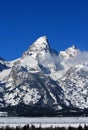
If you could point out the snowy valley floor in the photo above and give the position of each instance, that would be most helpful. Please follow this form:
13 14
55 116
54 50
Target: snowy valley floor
44 121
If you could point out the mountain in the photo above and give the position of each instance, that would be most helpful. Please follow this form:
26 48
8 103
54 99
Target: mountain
71 52
44 82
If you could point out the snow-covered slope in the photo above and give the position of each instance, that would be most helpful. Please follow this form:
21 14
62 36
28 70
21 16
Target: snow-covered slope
71 52
41 53
44 79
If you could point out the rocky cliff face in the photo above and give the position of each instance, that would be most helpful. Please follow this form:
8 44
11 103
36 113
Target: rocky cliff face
45 82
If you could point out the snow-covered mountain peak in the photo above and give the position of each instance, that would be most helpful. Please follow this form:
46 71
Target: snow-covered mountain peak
74 47
42 41
71 52
39 47
42 81
40 44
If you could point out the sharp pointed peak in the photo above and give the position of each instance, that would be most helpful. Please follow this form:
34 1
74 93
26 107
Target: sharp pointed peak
41 45
41 40
44 37
74 46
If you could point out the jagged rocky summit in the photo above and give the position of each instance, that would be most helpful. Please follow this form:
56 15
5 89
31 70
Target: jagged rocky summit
44 82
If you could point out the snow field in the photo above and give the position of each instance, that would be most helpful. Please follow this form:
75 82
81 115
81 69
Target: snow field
44 121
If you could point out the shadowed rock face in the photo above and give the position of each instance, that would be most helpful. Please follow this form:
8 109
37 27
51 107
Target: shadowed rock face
3 64
44 82
3 67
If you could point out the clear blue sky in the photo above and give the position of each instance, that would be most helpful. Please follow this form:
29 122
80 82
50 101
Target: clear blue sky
64 22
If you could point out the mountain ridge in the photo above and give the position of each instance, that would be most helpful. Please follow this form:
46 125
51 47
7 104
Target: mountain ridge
44 80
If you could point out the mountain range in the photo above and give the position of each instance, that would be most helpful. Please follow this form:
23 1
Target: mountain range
44 82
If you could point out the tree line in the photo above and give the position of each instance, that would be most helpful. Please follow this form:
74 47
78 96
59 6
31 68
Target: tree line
27 127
